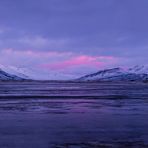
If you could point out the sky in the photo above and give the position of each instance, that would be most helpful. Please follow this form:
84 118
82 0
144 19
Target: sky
73 36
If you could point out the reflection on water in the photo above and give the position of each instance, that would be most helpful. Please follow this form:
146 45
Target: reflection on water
73 123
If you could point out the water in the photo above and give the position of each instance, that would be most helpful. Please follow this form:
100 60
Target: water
74 122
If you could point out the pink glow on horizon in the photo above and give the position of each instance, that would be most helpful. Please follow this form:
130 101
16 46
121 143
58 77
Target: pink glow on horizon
83 60
53 60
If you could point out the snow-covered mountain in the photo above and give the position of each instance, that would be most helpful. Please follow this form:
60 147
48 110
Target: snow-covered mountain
6 76
35 74
139 69
136 73
38 74
13 71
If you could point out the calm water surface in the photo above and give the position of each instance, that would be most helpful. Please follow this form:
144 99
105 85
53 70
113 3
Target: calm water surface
43 123
73 121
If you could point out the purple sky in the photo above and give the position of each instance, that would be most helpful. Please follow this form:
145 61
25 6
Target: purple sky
73 36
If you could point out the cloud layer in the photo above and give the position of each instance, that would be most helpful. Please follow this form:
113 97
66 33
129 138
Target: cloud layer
69 36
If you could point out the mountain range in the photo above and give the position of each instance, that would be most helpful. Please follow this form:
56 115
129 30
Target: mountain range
136 73
19 73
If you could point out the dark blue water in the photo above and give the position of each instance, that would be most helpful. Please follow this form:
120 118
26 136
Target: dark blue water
73 123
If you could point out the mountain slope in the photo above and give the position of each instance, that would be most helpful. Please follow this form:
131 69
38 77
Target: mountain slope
137 73
35 74
139 69
38 74
6 76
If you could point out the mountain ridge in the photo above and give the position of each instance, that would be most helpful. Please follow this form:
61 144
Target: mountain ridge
34 74
136 73
6 76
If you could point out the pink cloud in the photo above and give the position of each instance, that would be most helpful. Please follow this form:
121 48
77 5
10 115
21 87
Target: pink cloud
66 62
92 61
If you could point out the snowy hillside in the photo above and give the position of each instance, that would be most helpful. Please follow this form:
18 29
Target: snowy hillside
6 76
13 71
138 69
137 73
35 74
